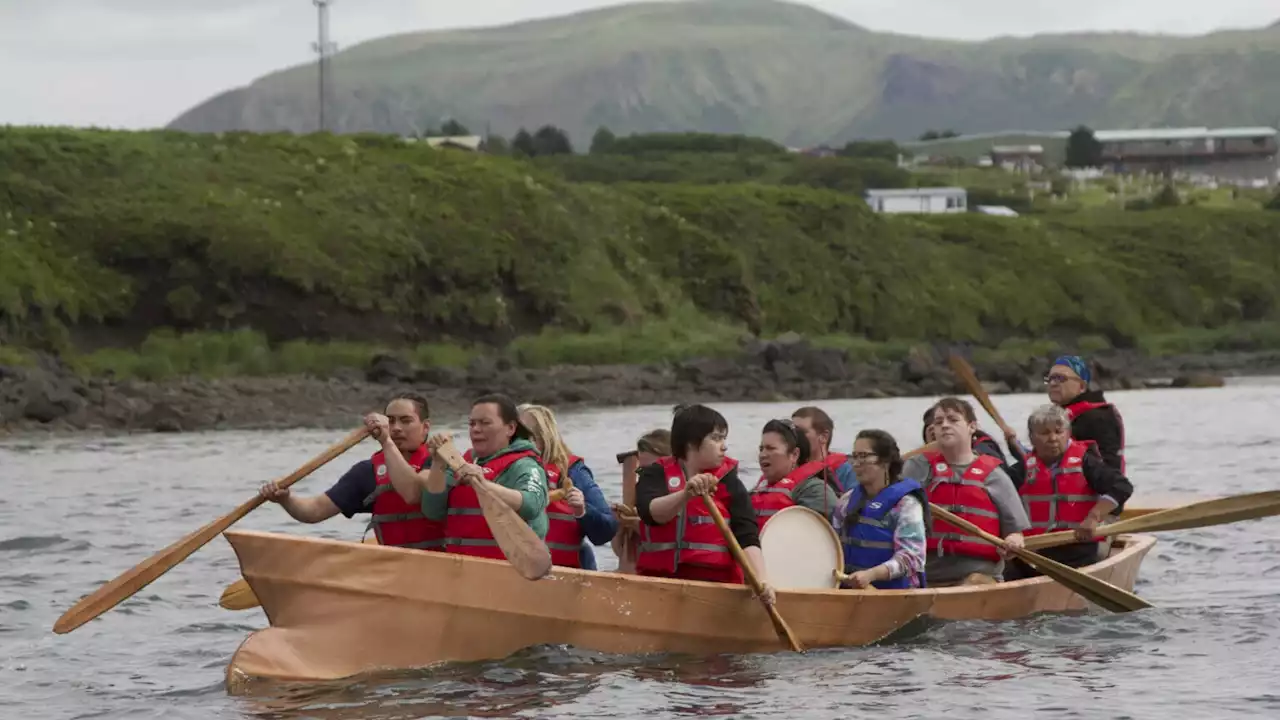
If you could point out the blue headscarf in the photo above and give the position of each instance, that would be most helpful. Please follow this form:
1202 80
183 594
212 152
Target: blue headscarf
1077 365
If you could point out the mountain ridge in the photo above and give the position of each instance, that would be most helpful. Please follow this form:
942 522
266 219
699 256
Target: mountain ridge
762 67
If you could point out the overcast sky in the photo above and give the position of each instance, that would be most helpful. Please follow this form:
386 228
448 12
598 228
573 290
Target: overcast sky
139 63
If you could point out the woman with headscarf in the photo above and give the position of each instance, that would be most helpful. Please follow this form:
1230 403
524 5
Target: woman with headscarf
1093 419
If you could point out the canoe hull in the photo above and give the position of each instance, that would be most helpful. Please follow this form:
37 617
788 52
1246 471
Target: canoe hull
341 609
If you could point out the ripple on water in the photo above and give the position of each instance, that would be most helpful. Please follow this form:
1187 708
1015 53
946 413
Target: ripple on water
36 544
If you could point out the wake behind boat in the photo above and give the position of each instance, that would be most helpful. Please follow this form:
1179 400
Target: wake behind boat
342 609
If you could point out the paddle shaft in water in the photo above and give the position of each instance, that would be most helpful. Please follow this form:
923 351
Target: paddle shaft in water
124 586
1237 508
1097 591
740 556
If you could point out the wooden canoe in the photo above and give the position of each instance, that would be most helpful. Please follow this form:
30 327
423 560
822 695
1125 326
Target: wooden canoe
341 609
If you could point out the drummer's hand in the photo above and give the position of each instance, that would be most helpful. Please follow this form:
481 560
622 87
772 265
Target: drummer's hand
767 594
1014 540
861 580
701 484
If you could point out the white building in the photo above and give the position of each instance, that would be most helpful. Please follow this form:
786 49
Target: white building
919 200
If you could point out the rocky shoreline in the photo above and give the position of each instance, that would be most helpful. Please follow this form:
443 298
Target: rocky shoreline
49 398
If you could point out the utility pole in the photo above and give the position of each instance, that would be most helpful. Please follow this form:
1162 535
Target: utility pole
324 49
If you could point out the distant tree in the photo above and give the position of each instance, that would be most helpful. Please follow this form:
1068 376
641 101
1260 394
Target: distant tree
603 141
1083 149
938 134
872 150
648 143
522 144
453 128
1273 203
551 140
1167 197
495 145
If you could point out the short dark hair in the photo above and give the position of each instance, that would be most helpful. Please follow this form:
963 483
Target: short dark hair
820 419
956 404
691 425
885 448
507 411
791 435
419 403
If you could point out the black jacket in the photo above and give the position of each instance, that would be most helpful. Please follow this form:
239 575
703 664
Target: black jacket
1101 425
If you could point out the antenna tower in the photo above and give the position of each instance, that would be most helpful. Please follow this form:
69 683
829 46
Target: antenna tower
325 49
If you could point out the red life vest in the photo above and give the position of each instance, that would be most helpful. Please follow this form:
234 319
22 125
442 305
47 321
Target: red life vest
564 534
689 546
769 499
1058 498
1077 409
465 529
966 497
396 522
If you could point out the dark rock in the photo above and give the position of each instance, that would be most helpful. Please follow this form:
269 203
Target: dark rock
388 369
921 363
441 376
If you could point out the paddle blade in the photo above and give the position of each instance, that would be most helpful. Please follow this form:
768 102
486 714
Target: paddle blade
1098 592
238 596
123 587
526 552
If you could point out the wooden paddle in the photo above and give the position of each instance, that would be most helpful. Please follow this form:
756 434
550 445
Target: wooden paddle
931 447
1194 515
123 587
1099 592
779 625
964 371
526 552
239 596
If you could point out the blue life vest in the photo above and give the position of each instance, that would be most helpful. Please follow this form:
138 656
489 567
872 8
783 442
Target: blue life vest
868 541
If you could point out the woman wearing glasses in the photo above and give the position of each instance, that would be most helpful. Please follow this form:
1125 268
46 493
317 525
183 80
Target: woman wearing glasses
788 476
881 522
1093 419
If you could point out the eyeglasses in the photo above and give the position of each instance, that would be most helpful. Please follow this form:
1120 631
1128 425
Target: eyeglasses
1057 379
863 458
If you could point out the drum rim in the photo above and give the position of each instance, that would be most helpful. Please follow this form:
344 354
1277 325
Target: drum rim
831 532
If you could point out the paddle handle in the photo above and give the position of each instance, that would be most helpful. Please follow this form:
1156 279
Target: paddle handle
964 371
779 624
931 447
142 575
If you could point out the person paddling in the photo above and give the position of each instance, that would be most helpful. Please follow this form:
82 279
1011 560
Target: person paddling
649 448
881 523
678 536
973 487
818 427
502 453
583 513
1067 487
384 485
1093 419
789 476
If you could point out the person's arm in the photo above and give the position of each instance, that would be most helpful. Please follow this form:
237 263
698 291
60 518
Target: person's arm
1109 484
406 481
1013 516
1104 431
523 487
1017 473
347 496
916 468
654 504
742 514
435 496
815 494
598 523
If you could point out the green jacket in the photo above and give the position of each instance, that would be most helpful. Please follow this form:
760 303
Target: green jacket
525 476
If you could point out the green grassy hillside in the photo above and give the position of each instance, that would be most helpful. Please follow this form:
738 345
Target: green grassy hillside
111 236
765 68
